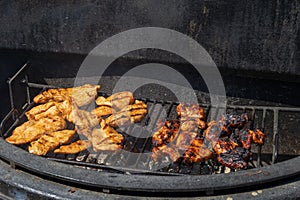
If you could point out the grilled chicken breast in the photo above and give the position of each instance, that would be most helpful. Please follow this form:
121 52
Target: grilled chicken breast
46 110
50 141
73 148
33 130
129 114
106 138
82 95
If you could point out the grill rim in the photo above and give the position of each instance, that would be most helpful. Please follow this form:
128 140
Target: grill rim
154 183
142 182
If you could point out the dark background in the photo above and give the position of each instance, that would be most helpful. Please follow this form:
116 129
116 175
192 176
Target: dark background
249 38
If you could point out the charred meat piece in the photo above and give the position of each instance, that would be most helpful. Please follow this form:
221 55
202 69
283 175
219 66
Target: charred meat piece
213 132
197 152
33 130
130 114
46 110
50 141
257 136
73 148
232 121
106 138
191 117
166 132
245 138
236 158
234 152
82 95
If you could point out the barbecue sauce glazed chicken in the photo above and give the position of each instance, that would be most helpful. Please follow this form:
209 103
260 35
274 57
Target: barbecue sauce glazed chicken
227 139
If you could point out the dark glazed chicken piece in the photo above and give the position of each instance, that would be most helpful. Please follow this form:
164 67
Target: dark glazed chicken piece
229 122
197 152
236 158
192 115
258 136
166 132
166 150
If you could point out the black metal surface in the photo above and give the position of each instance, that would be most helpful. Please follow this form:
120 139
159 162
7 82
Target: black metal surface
238 34
158 181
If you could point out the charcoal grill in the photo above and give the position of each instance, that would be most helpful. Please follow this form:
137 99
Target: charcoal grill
108 172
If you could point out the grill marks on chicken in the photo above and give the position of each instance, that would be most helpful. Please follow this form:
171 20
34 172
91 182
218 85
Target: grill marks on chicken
74 148
82 95
106 138
33 130
128 115
197 152
113 103
46 110
186 143
50 141
190 116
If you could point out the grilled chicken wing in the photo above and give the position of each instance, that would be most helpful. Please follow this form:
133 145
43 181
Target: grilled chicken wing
50 141
73 148
33 130
82 95
106 138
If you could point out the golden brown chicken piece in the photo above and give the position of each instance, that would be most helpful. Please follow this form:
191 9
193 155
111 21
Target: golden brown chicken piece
50 141
104 107
73 148
84 121
130 114
46 110
33 130
106 138
82 95
192 115
120 100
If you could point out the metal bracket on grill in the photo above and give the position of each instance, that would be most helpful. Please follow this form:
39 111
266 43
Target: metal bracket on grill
18 91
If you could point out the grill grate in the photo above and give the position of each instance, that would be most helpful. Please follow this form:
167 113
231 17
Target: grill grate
140 164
